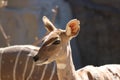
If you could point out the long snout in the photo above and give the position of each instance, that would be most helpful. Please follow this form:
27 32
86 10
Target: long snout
40 61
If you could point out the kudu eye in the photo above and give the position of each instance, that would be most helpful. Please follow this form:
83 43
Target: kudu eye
56 42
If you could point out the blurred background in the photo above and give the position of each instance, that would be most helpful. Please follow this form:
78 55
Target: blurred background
98 42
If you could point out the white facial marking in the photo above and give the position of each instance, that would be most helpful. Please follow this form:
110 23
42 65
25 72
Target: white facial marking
61 66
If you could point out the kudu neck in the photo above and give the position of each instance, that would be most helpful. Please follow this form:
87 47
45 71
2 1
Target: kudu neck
65 66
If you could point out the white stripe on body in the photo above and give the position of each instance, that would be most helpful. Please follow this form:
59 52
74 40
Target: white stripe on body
26 64
33 66
15 65
25 68
53 71
44 70
2 51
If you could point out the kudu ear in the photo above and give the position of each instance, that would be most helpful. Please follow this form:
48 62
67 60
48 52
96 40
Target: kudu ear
48 24
73 28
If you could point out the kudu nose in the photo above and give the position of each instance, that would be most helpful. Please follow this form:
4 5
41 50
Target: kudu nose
36 58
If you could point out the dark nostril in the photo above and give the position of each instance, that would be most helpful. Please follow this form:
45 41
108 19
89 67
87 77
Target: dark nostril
36 58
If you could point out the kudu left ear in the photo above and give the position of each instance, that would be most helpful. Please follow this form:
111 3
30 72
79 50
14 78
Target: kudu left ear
48 24
73 28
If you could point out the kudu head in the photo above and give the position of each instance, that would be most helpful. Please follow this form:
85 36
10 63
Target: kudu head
55 43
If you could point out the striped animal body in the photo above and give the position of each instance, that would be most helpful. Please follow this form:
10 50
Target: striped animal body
27 62
15 64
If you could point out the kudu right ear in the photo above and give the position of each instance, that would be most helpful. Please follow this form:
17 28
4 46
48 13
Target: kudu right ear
72 28
48 24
